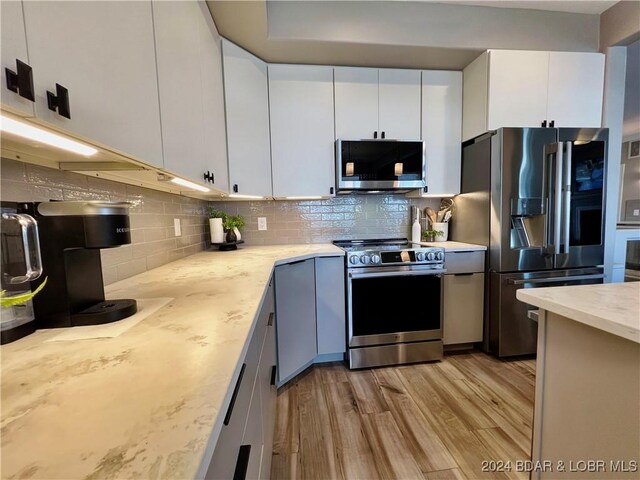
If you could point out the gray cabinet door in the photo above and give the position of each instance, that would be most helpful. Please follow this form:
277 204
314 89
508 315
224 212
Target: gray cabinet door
463 308
330 305
296 314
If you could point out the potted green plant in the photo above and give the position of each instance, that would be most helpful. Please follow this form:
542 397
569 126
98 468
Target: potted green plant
430 235
233 224
216 224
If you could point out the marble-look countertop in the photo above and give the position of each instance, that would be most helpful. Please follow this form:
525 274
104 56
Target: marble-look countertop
147 403
610 307
455 246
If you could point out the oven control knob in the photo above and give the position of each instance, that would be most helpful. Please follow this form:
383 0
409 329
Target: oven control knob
440 256
420 256
364 259
431 256
353 260
375 258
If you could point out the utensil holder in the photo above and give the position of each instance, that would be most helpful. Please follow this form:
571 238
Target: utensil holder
442 227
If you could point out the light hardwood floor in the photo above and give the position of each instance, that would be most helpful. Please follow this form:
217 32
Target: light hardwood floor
434 421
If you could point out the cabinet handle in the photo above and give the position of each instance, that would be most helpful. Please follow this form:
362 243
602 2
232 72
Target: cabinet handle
382 135
242 463
543 124
208 177
227 417
331 190
426 189
272 315
462 274
274 369
21 82
235 188
375 134
59 101
552 123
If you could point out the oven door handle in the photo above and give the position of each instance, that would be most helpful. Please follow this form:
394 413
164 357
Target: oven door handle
406 273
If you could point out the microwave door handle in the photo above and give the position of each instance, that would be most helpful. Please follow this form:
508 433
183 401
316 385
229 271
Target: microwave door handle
566 197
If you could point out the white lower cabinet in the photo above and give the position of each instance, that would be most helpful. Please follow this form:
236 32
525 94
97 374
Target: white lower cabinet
296 310
463 298
330 305
245 443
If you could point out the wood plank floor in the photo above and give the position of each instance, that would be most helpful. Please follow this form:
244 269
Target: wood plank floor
434 421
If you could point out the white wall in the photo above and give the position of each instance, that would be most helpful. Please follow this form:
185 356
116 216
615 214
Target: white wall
631 130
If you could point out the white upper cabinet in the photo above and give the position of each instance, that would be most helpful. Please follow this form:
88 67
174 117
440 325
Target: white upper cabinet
214 125
442 130
356 95
372 103
178 27
247 111
399 104
189 56
302 141
104 55
576 89
506 88
13 43
517 88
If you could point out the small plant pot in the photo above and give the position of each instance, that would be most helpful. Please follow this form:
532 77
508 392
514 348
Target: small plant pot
231 236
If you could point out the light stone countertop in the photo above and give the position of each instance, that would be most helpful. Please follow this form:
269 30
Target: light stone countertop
455 246
610 307
145 404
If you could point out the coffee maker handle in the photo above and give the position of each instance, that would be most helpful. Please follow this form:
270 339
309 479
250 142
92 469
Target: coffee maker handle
31 245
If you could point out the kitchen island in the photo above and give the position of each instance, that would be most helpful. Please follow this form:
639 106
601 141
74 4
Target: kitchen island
150 402
587 404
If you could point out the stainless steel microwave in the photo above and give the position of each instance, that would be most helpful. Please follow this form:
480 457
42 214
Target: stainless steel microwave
371 166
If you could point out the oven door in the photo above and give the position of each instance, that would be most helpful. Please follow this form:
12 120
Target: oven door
393 306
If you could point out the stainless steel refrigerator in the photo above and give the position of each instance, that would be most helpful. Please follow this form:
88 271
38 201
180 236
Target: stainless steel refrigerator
535 197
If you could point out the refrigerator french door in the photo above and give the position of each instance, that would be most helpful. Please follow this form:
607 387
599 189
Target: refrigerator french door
536 198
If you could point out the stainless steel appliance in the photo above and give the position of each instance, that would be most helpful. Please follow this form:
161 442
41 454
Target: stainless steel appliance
21 264
374 166
71 236
394 302
535 197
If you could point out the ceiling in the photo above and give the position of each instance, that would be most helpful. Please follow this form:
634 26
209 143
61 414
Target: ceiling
403 34
591 7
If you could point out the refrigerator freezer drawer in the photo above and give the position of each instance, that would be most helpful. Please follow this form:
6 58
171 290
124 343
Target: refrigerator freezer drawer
511 331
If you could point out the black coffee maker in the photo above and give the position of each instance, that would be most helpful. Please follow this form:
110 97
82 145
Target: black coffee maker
71 236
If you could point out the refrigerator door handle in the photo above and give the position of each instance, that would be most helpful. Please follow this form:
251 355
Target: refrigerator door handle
557 200
550 280
566 198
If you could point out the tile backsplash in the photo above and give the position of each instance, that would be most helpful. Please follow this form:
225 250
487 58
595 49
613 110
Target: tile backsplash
319 221
152 231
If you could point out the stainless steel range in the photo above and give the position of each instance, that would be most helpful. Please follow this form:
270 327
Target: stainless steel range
394 302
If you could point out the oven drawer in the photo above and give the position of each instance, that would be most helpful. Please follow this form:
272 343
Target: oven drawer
464 262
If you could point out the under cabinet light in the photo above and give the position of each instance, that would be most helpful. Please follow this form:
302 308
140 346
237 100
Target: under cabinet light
24 130
239 195
309 197
188 184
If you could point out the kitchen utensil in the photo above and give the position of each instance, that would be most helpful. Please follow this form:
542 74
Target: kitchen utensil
447 217
21 263
431 213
